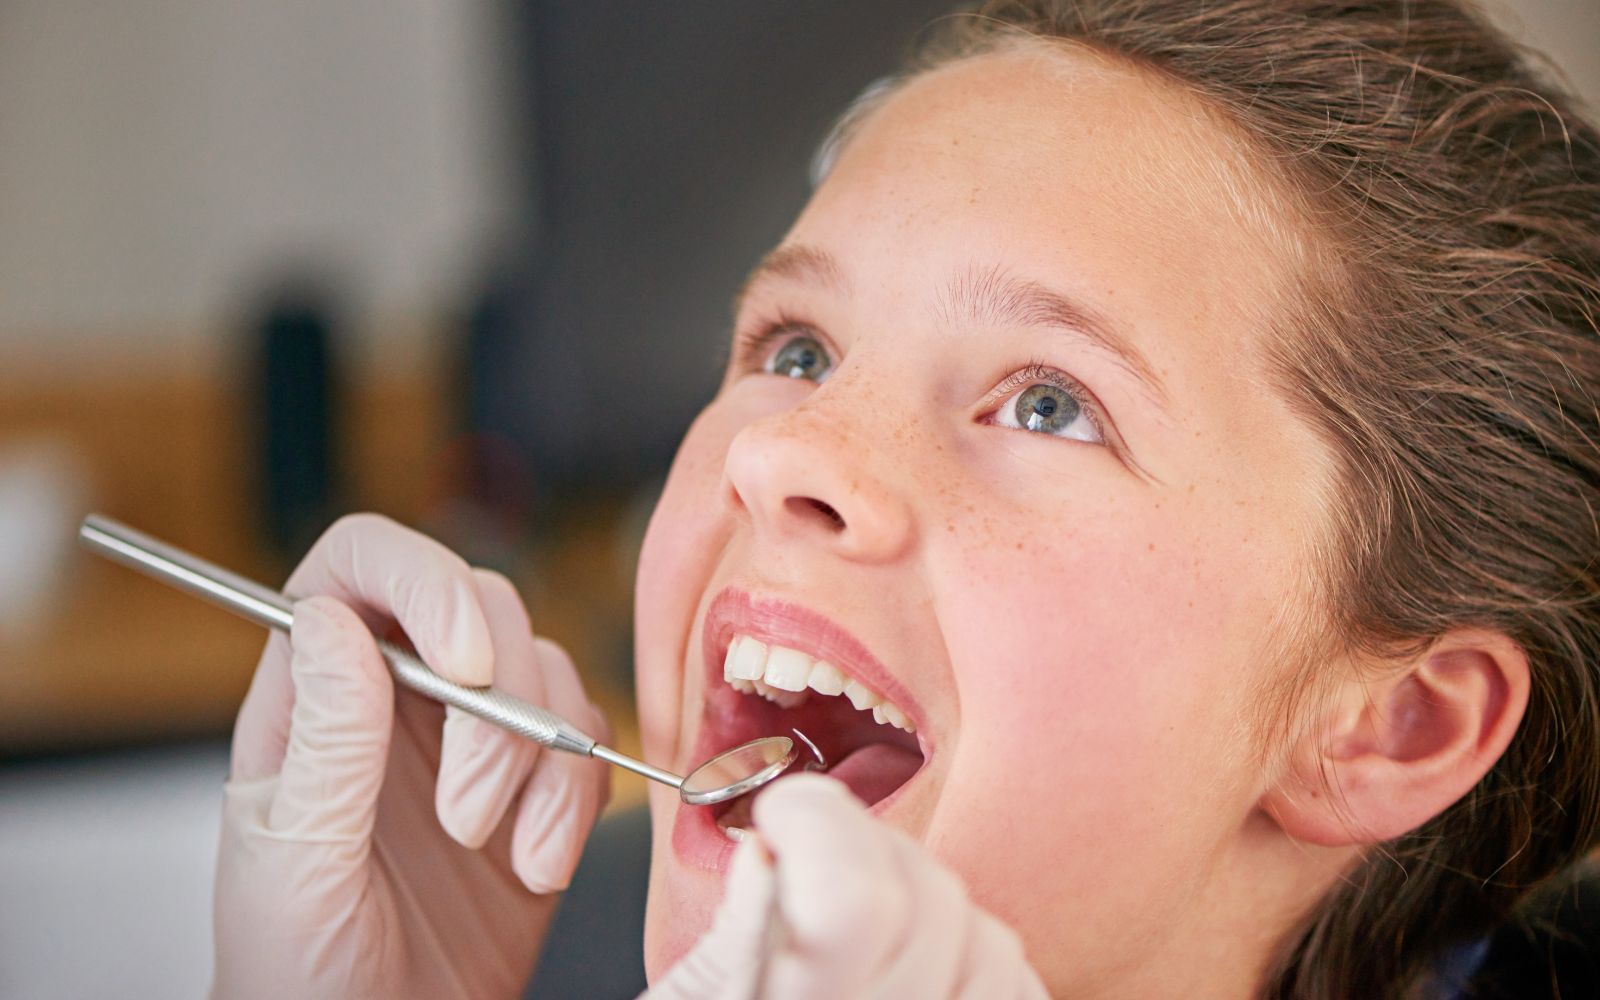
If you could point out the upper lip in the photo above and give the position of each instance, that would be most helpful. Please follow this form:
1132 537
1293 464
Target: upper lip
776 621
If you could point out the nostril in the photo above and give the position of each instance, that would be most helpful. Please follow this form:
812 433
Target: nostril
828 512
812 507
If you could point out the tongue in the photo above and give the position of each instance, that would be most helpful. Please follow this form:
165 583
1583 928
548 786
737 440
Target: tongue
876 770
871 773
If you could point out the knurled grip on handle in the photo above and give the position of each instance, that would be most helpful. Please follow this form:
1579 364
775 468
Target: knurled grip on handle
537 724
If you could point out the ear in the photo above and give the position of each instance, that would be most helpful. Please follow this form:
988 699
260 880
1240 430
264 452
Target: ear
1394 753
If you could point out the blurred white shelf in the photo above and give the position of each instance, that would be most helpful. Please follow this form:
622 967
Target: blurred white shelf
105 874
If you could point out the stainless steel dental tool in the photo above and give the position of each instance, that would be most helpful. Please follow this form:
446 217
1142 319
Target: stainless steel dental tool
728 775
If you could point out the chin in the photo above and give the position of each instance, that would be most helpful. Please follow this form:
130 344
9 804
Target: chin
682 901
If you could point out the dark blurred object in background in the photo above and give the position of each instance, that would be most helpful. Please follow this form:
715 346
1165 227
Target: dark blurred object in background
666 149
297 394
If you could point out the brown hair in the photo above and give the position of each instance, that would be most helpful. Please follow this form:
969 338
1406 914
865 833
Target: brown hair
1448 352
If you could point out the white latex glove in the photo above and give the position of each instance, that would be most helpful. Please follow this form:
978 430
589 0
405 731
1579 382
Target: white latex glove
861 911
335 878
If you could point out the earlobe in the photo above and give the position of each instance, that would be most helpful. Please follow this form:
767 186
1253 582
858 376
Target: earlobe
1393 753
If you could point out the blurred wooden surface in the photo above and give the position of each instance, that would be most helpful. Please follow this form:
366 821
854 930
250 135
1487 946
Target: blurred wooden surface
125 660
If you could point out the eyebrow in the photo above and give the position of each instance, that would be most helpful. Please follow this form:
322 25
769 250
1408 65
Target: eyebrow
979 296
993 297
796 262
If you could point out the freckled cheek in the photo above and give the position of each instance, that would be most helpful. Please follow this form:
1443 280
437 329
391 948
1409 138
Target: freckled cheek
1106 575
1069 647
678 557
1061 632
1089 730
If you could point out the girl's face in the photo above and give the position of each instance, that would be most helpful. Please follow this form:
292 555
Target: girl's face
997 442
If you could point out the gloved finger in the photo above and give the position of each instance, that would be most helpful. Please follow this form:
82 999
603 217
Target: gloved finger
482 766
932 959
261 732
385 571
339 729
837 901
729 958
382 571
566 792
950 948
941 945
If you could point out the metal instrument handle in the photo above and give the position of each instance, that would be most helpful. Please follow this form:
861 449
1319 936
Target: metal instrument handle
250 600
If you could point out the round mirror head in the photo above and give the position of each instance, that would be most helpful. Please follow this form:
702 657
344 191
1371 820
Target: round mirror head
735 772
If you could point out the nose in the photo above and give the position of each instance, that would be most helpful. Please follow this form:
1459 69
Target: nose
810 475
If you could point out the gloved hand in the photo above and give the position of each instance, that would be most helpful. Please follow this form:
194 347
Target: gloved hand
334 876
828 902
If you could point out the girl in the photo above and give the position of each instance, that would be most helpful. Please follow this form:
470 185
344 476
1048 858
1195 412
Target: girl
1176 423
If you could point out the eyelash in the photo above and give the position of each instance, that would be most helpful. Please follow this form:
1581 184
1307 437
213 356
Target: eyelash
1037 372
750 347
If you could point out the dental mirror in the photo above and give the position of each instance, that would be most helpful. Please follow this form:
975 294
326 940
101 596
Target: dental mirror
728 775
735 772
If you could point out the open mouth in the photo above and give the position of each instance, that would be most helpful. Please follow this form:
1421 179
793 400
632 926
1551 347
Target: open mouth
767 684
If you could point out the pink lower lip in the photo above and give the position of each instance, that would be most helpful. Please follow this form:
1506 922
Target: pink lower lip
696 838
698 841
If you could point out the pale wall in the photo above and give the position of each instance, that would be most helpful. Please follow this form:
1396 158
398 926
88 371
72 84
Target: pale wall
157 156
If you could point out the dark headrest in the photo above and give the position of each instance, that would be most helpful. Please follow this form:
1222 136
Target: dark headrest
1551 950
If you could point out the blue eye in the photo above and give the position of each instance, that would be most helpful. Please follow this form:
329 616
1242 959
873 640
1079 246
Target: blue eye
1045 407
801 357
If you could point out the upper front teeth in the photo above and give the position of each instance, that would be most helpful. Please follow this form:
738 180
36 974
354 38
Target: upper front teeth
826 678
777 672
788 669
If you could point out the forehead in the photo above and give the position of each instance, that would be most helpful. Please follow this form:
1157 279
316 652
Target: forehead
1104 180
1094 159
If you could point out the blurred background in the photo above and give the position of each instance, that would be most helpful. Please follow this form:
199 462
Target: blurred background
463 262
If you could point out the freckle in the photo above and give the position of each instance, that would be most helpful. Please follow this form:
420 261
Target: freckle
1151 547
1019 546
